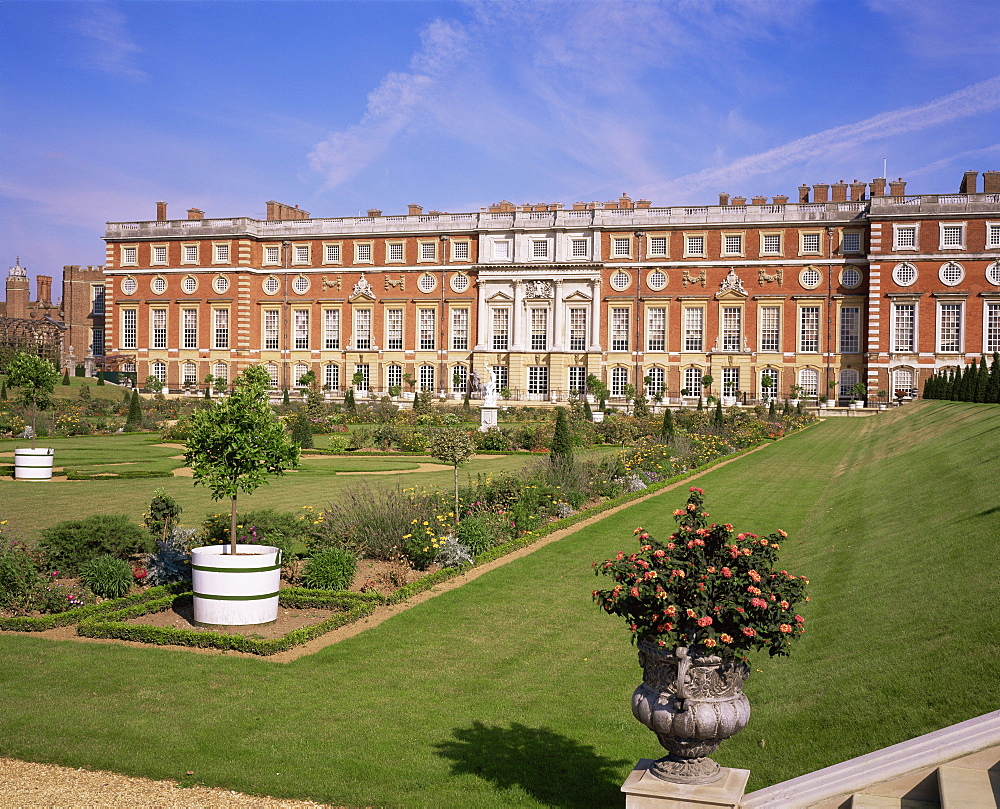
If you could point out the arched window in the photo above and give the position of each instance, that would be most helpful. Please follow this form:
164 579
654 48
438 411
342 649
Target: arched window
657 382
459 378
692 381
427 377
189 373
300 369
221 373
848 379
768 384
331 377
809 382
272 373
394 375
160 371
903 382
619 379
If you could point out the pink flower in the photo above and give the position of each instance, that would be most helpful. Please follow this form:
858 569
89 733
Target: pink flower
710 643
786 628
691 613
634 592
758 602
726 572
706 621
749 632
659 553
726 638
753 574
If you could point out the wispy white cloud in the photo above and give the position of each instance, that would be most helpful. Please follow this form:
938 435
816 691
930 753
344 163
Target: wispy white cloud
108 46
392 107
977 99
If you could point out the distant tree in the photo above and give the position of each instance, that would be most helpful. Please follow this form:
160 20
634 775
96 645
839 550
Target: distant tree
993 388
36 378
772 410
562 440
454 446
84 391
667 429
153 384
284 396
718 419
100 378
982 380
587 412
621 429
235 445
134 416
641 408
302 429
163 515
3 391
65 379
349 404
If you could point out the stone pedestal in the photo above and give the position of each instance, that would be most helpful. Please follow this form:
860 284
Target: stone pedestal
645 791
487 418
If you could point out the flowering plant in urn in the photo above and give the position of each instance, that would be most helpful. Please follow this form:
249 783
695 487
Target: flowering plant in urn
696 603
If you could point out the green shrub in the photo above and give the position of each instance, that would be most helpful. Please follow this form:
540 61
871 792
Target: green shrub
302 429
330 569
478 533
71 543
266 526
20 576
412 441
171 562
163 514
107 577
337 443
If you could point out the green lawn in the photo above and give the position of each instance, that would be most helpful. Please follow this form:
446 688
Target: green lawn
32 506
514 689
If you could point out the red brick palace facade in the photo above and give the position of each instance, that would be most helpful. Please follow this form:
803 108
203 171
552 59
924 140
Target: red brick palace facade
850 282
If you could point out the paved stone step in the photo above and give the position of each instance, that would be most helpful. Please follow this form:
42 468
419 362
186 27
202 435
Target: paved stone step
963 788
861 801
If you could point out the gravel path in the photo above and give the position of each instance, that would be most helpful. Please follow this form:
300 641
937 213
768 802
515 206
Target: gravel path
23 783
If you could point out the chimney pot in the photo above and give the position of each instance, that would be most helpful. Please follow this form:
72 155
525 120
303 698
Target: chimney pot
821 192
161 212
969 182
414 209
991 182
195 213
723 198
803 193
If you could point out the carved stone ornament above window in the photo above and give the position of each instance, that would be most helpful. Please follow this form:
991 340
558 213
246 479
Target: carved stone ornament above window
362 289
539 289
731 283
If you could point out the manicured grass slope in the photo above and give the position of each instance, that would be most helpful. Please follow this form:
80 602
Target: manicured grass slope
514 689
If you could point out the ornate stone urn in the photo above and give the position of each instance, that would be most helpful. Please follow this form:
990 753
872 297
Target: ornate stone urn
692 704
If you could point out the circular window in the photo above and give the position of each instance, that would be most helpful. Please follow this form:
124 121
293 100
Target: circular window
810 278
426 282
220 284
159 285
460 282
904 274
271 285
300 285
656 280
189 284
951 274
129 285
620 280
993 273
850 277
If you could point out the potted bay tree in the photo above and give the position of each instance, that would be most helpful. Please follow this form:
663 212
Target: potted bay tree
232 448
36 378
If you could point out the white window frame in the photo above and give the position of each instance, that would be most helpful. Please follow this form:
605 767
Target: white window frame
364 253
769 341
776 251
656 328
220 328
899 230
502 250
954 309
270 321
539 249
809 330
427 329
576 379
427 251
653 245
189 326
158 327
620 331
271 255
461 250
577 323
331 376
159 370
810 234
460 329
130 329
395 247
333 252
579 248
189 374
621 247
849 335
394 329
154 252
693 329
692 380
222 253
695 245
993 236
462 371
731 324
738 245
300 329
618 379
361 340
129 255
425 377
903 334
365 370
949 228
538 380
538 320
657 381
500 337
808 382
190 253
991 326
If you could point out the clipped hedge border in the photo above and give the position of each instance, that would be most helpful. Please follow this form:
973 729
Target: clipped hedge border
129 475
40 623
112 624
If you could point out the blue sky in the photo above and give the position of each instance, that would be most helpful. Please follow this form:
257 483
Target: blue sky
344 105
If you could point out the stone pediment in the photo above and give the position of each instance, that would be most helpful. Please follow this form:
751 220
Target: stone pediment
578 296
362 289
500 297
731 287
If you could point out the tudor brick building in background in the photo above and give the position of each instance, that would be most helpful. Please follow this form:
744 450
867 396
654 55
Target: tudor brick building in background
849 282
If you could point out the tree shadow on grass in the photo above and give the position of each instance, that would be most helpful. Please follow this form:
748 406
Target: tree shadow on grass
555 770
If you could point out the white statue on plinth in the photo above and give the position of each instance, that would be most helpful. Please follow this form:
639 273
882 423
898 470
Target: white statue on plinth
490 392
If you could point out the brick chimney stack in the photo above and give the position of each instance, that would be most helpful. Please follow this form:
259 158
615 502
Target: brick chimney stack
857 191
803 193
821 192
643 203
877 187
897 188
195 213
739 201
758 200
277 211
780 199
17 290
373 212
991 182
723 199
414 210
161 212
44 287
839 192
969 181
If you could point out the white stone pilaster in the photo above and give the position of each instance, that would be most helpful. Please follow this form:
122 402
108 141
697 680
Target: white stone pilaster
558 337
517 316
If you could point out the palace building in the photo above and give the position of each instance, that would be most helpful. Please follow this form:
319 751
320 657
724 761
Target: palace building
848 283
